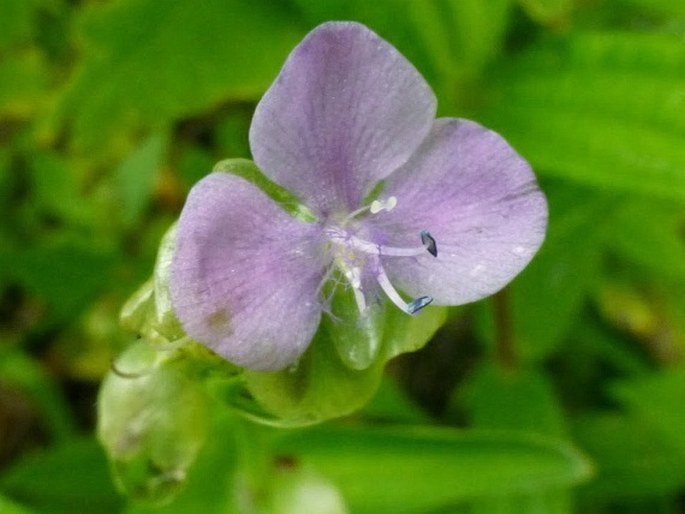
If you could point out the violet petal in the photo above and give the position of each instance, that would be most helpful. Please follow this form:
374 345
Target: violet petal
245 275
345 111
480 202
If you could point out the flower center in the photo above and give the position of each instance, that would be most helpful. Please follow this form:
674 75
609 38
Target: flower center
356 257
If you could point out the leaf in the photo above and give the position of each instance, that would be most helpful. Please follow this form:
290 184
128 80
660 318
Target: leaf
66 274
548 12
57 189
658 399
604 109
149 62
68 478
633 459
647 233
390 403
15 22
134 178
413 470
24 81
8 506
516 399
544 502
659 7
19 370
523 400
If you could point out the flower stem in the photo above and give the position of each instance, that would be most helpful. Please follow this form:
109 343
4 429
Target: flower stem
254 460
505 348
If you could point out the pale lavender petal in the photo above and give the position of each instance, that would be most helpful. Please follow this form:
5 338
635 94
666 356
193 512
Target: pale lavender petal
245 274
346 110
478 199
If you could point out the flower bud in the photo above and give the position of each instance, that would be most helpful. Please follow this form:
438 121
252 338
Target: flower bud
152 420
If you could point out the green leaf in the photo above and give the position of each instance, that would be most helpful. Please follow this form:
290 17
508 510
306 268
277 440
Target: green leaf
66 274
658 399
414 470
391 404
134 178
659 7
19 370
149 62
512 399
548 12
633 459
16 22
8 506
543 502
57 189
24 81
68 478
646 233
603 109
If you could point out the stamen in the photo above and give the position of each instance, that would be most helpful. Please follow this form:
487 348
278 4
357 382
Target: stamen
355 243
410 308
419 303
429 242
375 207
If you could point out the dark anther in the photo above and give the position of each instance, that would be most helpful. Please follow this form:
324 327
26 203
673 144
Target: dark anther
429 242
418 303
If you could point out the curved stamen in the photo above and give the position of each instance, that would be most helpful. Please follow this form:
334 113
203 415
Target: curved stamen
410 308
356 243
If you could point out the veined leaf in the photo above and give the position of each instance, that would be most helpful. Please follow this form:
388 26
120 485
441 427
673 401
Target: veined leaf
149 62
414 470
601 109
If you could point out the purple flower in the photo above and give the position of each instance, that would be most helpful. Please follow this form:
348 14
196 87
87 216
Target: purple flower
458 216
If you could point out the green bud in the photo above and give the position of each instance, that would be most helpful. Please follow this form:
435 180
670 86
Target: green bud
149 312
153 417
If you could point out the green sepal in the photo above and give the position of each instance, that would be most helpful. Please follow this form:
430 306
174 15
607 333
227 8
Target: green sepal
153 416
322 385
319 387
248 170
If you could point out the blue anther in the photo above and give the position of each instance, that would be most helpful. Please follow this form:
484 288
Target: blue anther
418 303
429 242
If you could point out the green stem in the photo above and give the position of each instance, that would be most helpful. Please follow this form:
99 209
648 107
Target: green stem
505 348
255 462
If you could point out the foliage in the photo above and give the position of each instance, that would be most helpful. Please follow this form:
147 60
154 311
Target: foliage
563 394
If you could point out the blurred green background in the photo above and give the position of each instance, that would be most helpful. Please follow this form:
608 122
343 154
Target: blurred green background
111 110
